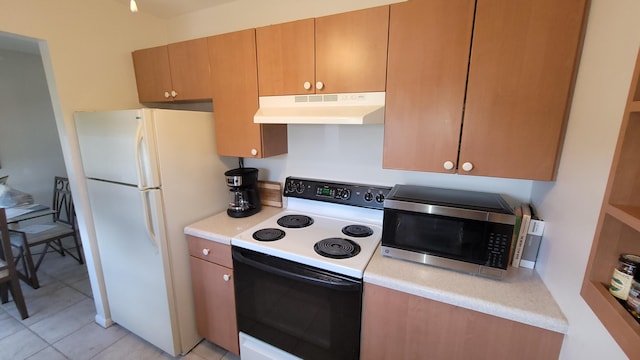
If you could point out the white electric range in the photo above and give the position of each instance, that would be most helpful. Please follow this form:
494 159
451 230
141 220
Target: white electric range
333 226
298 275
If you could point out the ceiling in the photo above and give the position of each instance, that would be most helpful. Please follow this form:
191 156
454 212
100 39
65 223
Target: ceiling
170 8
161 8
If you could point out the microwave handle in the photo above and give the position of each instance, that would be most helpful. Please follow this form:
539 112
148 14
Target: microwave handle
301 273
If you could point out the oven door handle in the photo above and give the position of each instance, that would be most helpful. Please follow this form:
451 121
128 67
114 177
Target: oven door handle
302 274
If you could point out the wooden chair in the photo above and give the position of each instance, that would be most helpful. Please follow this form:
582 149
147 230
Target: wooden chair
9 281
63 226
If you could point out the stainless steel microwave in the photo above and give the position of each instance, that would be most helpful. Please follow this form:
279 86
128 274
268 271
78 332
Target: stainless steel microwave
467 231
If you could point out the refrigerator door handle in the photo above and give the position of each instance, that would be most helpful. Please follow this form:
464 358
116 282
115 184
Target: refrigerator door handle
140 155
148 220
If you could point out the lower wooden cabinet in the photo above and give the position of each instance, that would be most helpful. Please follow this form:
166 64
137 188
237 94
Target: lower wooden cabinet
213 292
396 325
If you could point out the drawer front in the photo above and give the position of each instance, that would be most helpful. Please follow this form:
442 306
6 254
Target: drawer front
210 251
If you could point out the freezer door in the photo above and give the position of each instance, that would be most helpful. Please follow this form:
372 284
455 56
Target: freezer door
134 264
118 146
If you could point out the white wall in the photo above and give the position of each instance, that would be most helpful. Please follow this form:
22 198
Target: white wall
350 153
354 154
245 14
30 151
86 49
90 44
571 205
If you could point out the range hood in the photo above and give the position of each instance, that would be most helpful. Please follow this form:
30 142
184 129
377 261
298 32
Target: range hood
350 108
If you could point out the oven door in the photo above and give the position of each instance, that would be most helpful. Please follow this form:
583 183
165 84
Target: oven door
302 310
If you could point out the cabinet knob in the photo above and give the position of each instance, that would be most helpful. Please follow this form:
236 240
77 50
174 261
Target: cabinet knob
166 94
205 251
448 165
319 85
254 152
174 93
307 85
467 166
226 277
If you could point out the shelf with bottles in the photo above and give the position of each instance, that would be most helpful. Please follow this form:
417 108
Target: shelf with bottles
615 238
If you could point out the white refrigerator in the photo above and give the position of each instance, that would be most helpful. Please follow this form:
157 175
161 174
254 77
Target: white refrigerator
149 173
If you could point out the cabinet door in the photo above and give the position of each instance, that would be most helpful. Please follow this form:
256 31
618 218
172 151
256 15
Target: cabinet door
215 303
286 58
351 51
153 74
190 69
397 325
429 44
521 76
234 86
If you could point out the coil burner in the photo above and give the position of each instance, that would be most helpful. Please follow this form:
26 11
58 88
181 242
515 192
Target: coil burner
337 248
269 234
295 221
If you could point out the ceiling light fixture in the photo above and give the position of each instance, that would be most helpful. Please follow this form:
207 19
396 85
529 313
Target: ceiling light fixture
133 6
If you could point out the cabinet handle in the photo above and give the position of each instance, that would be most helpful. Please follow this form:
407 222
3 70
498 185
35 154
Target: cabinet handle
205 251
319 85
254 152
448 165
307 85
226 277
467 166
166 95
174 93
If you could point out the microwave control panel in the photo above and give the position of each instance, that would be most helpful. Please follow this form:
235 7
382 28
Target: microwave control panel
498 250
362 195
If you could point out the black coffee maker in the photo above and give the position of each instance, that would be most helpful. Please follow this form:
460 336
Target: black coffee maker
244 196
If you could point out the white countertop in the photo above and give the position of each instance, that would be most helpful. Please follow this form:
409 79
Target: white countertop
221 227
521 296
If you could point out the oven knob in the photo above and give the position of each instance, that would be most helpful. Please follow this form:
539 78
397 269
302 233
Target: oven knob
300 188
346 194
380 198
368 196
289 187
226 277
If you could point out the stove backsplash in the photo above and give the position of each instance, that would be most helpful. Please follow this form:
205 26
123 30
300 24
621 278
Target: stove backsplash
354 154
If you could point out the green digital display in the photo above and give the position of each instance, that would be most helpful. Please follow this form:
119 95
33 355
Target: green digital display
325 192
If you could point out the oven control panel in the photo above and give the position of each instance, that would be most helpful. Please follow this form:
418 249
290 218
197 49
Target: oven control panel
370 196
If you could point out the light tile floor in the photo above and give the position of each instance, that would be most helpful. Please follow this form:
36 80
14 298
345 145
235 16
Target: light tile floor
61 323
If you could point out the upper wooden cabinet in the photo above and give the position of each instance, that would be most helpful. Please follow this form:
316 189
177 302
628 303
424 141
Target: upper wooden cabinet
429 44
521 76
234 87
286 58
332 54
520 79
175 72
